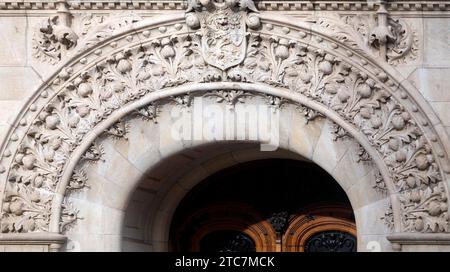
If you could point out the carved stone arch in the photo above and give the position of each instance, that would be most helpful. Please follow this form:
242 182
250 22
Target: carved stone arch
162 59
331 156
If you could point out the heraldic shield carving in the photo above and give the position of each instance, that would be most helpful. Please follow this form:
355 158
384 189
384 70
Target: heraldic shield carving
222 27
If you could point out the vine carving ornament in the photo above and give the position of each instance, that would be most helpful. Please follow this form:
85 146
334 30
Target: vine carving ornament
230 43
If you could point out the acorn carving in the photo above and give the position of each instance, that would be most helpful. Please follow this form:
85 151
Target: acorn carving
52 122
124 66
74 120
394 144
83 111
398 122
29 161
400 156
16 208
343 95
419 225
325 67
422 162
85 89
376 122
167 50
365 91
411 181
282 50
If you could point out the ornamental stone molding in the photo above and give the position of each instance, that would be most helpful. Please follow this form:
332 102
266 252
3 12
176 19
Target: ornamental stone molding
379 34
263 5
128 67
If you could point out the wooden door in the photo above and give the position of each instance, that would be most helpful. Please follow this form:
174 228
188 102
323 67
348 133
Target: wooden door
237 227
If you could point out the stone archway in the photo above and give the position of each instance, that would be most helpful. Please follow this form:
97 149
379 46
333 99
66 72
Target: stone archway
138 190
277 203
164 61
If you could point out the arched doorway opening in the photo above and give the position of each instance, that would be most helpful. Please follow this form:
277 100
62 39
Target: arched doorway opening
269 205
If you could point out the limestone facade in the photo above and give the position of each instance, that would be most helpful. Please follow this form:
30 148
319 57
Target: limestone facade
87 90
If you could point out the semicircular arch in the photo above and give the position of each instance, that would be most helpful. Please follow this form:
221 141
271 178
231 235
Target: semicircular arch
163 59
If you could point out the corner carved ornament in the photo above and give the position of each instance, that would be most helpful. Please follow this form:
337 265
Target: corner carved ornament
229 50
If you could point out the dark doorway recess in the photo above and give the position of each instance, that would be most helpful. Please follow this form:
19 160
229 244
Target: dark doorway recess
264 205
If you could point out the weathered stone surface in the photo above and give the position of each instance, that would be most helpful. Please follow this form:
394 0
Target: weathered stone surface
432 83
437 42
13 35
18 83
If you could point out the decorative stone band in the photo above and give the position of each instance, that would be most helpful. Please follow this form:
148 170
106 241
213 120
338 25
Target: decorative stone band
161 58
383 36
41 241
400 240
436 5
181 95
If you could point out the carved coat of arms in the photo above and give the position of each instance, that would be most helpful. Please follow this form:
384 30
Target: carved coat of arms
223 30
223 40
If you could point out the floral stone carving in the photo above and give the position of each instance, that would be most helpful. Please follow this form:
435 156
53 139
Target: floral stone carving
363 32
52 40
316 69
